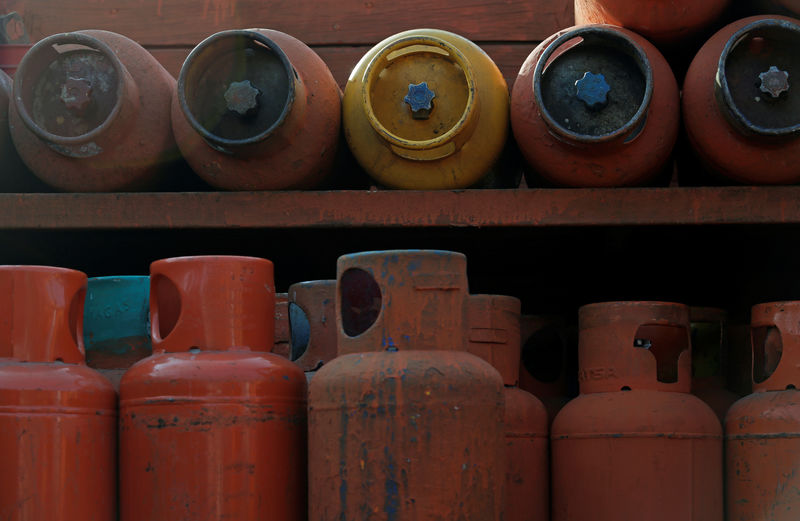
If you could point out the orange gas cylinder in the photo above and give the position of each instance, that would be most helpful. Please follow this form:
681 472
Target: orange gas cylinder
493 325
741 116
58 418
404 424
544 362
710 345
213 425
91 113
426 109
663 22
312 322
635 444
595 106
762 430
257 109
282 344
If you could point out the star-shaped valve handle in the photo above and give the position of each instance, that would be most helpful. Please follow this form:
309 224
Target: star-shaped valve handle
420 99
593 90
241 97
774 81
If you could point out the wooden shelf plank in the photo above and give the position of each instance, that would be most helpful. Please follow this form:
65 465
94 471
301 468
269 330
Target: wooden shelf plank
393 209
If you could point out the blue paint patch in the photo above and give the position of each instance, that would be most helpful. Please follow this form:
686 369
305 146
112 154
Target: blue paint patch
391 504
414 265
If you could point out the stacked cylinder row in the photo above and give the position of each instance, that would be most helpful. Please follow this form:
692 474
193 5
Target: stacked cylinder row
413 408
595 105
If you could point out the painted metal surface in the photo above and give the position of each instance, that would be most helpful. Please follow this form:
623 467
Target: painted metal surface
58 418
257 109
283 341
663 22
212 426
739 118
116 324
312 320
618 130
635 444
14 175
762 430
710 358
451 145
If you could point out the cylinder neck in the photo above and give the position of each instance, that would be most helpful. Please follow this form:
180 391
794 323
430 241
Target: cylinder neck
312 320
212 303
41 314
634 346
775 336
401 300
493 323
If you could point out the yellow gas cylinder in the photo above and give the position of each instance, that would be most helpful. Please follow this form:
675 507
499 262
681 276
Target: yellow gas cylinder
426 109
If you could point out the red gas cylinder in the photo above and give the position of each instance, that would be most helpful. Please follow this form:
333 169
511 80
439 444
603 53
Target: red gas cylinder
543 366
91 113
493 334
741 116
212 426
14 175
762 444
663 22
282 344
710 349
635 444
404 424
257 109
58 418
595 106
312 322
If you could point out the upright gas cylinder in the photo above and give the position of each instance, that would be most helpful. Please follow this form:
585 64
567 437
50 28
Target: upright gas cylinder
493 334
404 424
595 106
635 444
312 322
58 418
741 114
762 444
426 109
116 324
544 363
282 345
710 345
257 109
213 425
91 113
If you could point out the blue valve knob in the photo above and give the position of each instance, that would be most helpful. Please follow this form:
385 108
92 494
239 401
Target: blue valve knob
592 89
420 99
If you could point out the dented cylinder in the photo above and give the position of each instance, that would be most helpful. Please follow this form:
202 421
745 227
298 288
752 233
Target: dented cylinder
635 444
212 426
257 109
91 113
312 322
595 106
404 424
762 430
58 418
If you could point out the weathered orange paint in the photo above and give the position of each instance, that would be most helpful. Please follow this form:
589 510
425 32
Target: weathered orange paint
295 151
282 345
663 22
725 149
58 418
129 149
14 175
410 428
212 426
317 300
635 444
625 159
762 444
494 325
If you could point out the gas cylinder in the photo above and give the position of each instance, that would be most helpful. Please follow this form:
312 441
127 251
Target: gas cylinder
282 344
595 106
14 175
762 444
493 334
91 113
212 425
58 418
663 22
543 360
426 109
405 424
312 322
116 324
741 116
257 109
710 347
636 444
